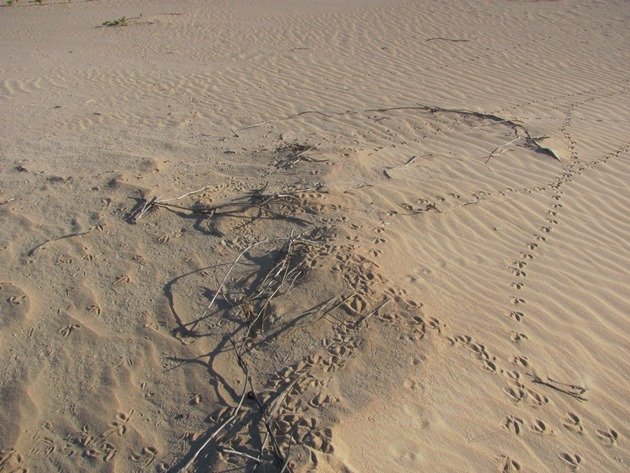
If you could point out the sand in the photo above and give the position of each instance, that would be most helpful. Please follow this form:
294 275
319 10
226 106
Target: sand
441 187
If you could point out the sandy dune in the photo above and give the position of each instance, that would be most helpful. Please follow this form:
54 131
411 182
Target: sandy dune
314 236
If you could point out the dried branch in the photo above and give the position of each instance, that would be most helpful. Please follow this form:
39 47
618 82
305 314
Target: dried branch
450 40
215 433
409 161
241 454
71 235
267 419
363 319
4 202
235 207
300 156
570 389
496 151
281 267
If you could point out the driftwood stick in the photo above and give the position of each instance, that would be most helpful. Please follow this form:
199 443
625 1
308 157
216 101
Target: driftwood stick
411 161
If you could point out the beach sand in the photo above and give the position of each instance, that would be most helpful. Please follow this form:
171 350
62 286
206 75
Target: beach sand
316 235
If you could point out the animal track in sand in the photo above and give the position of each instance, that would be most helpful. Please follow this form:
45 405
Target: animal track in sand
15 304
118 426
68 329
538 426
103 446
513 424
93 309
489 362
573 423
146 455
556 98
608 437
508 465
518 337
537 399
573 461
410 384
518 392
520 360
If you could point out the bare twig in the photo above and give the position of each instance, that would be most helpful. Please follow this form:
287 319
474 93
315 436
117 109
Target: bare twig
148 205
267 419
7 201
235 207
451 40
71 235
570 389
364 319
240 454
215 433
496 151
227 275
162 201
282 266
409 161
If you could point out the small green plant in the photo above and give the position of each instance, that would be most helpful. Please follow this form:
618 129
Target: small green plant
122 21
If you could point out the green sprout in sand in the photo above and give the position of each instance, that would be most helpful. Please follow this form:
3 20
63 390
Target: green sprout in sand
122 21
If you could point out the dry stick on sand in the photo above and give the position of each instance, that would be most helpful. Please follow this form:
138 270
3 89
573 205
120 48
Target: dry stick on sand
268 420
233 207
240 454
570 389
217 431
156 201
495 153
494 119
296 158
71 235
364 319
276 279
290 240
409 161
4 202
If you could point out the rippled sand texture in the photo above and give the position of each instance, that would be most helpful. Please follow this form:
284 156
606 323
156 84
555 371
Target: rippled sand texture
459 168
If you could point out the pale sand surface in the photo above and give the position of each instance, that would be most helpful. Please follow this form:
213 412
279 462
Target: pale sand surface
504 342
